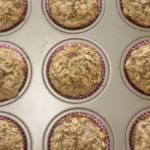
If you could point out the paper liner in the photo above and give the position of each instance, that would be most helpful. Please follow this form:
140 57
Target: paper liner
127 57
81 96
140 118
91 117
6 45
131 20
19 127
75 28
16 24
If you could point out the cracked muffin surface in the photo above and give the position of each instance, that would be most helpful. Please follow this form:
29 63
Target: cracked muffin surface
12 73
10 136
78 133
11 13
73 13
137 11
76 70
138 68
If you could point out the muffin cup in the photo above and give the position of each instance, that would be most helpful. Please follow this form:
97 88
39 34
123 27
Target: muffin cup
127 57
133 21
78 99
129 21
81 96
76 28
82 112
17 25
91 117
83 28
132 126
27 73
20 129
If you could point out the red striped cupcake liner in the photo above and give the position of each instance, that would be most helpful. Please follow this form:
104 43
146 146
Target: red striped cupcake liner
81 96
127 57
131 136
91 117
131 20
19 128
4 45
16 24
76 28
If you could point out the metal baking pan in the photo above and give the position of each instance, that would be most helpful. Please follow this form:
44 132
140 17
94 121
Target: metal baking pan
116 104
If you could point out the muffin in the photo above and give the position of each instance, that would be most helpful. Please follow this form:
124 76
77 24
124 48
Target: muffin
73 14
141 135
11 137
11 13
78 132
12 73
75 70
137 11
137 68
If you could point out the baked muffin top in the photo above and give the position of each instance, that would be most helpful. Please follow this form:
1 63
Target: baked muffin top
12 73
76 70
141 135
78 133
138 68
138 11
10 136
73 13
11 13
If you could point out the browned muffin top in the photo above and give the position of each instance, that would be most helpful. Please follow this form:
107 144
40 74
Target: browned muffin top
76 70
73 13
11 13
138 68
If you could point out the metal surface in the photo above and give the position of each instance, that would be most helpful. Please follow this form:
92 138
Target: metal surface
116 103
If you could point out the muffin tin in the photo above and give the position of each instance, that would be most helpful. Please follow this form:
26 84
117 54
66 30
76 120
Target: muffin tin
116 104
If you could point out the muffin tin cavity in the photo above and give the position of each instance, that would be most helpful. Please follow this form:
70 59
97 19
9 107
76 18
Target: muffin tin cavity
130 22
96 119
73 28
104 72
20 126
125 57
19 23
133 126
27 72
